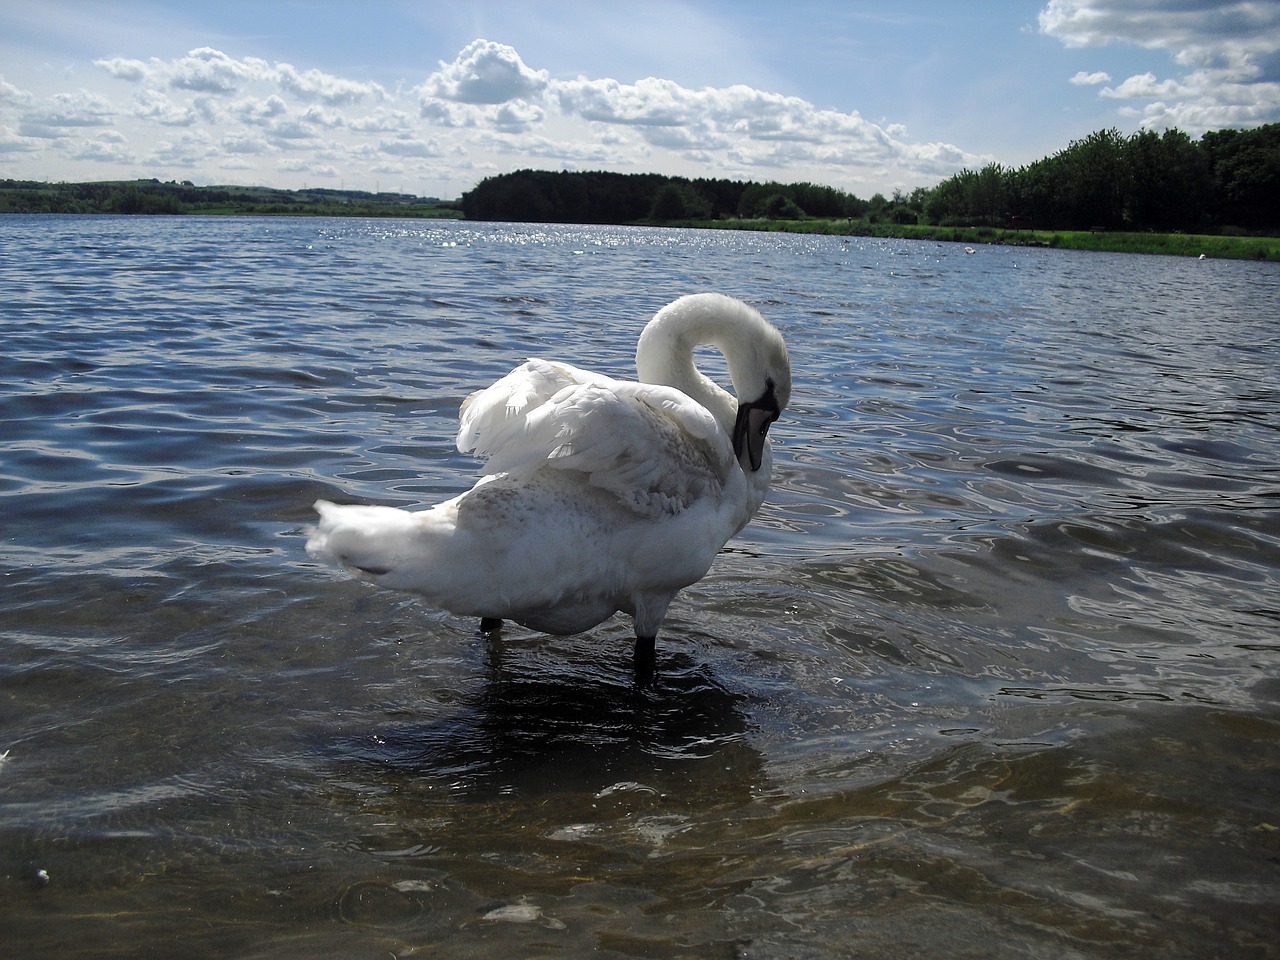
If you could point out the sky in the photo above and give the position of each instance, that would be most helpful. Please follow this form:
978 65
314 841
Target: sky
430 97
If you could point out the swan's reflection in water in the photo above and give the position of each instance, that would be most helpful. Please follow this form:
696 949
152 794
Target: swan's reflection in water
556 792
566 744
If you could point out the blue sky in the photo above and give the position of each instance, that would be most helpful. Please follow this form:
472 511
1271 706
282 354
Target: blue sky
429 97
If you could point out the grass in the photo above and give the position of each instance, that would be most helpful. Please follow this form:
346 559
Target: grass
1172 244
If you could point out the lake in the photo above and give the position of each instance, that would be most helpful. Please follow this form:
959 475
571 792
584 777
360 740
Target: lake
994 673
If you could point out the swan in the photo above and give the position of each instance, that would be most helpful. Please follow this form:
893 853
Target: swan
599 495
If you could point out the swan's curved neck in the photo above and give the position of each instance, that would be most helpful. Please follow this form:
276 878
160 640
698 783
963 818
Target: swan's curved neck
665 355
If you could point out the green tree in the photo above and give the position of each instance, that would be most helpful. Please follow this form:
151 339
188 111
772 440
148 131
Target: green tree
778 206
1167 181
679 201
1244 170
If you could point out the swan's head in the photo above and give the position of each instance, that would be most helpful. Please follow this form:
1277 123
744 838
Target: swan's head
756 355
762 380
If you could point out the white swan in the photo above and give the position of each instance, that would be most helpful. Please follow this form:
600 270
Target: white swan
600 495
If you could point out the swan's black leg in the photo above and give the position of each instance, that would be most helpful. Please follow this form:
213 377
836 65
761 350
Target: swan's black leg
646 660
491 636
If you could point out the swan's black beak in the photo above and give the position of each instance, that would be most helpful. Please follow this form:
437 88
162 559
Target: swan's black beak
752 426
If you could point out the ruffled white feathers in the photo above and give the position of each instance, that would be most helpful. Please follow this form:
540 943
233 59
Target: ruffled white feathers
649 445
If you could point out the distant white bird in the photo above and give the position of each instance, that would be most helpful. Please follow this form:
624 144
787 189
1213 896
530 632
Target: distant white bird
600 495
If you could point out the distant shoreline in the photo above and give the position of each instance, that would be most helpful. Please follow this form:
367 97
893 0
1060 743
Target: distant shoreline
155 198
1221 247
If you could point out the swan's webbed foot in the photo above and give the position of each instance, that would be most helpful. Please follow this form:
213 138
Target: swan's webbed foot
490 625
646 660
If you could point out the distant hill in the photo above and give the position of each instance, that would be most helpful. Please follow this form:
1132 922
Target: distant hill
172 197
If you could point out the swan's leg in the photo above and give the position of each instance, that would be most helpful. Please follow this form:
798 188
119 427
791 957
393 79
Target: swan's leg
650 610
490 624
646 660
494 653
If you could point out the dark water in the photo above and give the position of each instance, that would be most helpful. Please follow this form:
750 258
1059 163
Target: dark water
995 673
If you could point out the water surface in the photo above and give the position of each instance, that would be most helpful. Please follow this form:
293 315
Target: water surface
993 674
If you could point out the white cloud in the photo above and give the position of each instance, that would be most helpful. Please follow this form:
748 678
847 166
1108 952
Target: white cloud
11 142
1228 52
64 112
240 143
159 108
187 152
486 111
259 112
382 120
293 129
317 85
205 70
518 115
410 147
102 149
485 72
751 128
318 116
1082 79
11 95
648 102
445 114
1145 86
135 71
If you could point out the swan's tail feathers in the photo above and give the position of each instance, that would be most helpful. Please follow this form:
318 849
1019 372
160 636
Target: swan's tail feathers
372 542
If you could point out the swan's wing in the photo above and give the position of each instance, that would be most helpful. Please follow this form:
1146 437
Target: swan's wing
652 447
496 419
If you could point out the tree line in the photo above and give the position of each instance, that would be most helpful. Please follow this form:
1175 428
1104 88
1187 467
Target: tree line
1227 180
1148 181
544 196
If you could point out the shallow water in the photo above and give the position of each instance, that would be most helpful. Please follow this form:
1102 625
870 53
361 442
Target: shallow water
993 674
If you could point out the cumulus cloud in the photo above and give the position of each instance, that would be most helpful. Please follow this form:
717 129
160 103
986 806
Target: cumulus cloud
121 68
209 71
157 107
648 102
245 143
445 114
518 115
483 112
750 128
185 152
62 113
260 112
1082 79
109 146
317 85
12 142
1226 56
206 70
382 120
1145 86
11 95
485 72
408 146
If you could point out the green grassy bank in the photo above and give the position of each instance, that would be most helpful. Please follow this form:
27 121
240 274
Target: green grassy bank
1172 244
